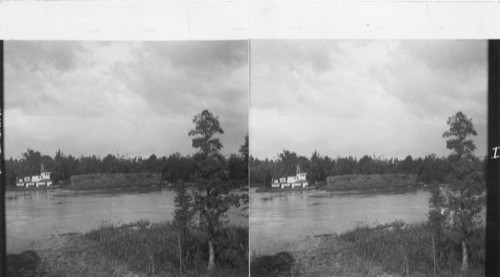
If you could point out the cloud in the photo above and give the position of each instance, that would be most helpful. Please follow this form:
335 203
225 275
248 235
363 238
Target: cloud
388 97
176 76
294 54
201 55
450 73
35 56
464 55
138 98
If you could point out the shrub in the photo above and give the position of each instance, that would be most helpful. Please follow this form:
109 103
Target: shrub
272 265
408 249
154 249
23 264
231 247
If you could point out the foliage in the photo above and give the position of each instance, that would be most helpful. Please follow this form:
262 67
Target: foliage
244 149
437 217
212 178
407 249
232 247
183 221
152 249
206 127
184 212
467 196
460 128
173 168
467 190
23 264
428 169
272 265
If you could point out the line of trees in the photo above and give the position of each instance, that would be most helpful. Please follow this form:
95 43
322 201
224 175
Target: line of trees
429 169
173 168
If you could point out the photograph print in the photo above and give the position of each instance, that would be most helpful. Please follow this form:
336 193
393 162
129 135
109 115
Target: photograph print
367 157
126 158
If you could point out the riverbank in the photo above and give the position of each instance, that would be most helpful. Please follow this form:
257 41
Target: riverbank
382 250
136 249
128 188
41 188
266 189
380 189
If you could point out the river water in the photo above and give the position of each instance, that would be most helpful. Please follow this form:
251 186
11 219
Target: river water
278 220
33 216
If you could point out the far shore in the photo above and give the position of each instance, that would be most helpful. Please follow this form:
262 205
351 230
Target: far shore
326 189
136 188
59 187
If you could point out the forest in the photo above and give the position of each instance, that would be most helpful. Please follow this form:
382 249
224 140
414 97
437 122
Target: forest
428 169
173 168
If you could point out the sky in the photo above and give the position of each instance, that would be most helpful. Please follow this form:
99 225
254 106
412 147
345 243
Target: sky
380 98
130 98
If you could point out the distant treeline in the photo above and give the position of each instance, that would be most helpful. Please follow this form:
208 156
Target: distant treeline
428 169
172 168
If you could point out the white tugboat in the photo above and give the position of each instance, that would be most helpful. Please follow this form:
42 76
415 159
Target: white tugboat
299 180
36 180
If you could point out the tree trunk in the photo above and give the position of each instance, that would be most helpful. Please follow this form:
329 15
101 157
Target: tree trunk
465 256
180 254
211 257
434 254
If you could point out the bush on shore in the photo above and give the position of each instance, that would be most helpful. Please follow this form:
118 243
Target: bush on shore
23 264
272 265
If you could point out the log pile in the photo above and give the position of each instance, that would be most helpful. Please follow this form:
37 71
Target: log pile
359 181
118 180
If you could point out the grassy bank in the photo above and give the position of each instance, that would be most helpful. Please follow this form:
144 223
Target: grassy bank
137 249
395 249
